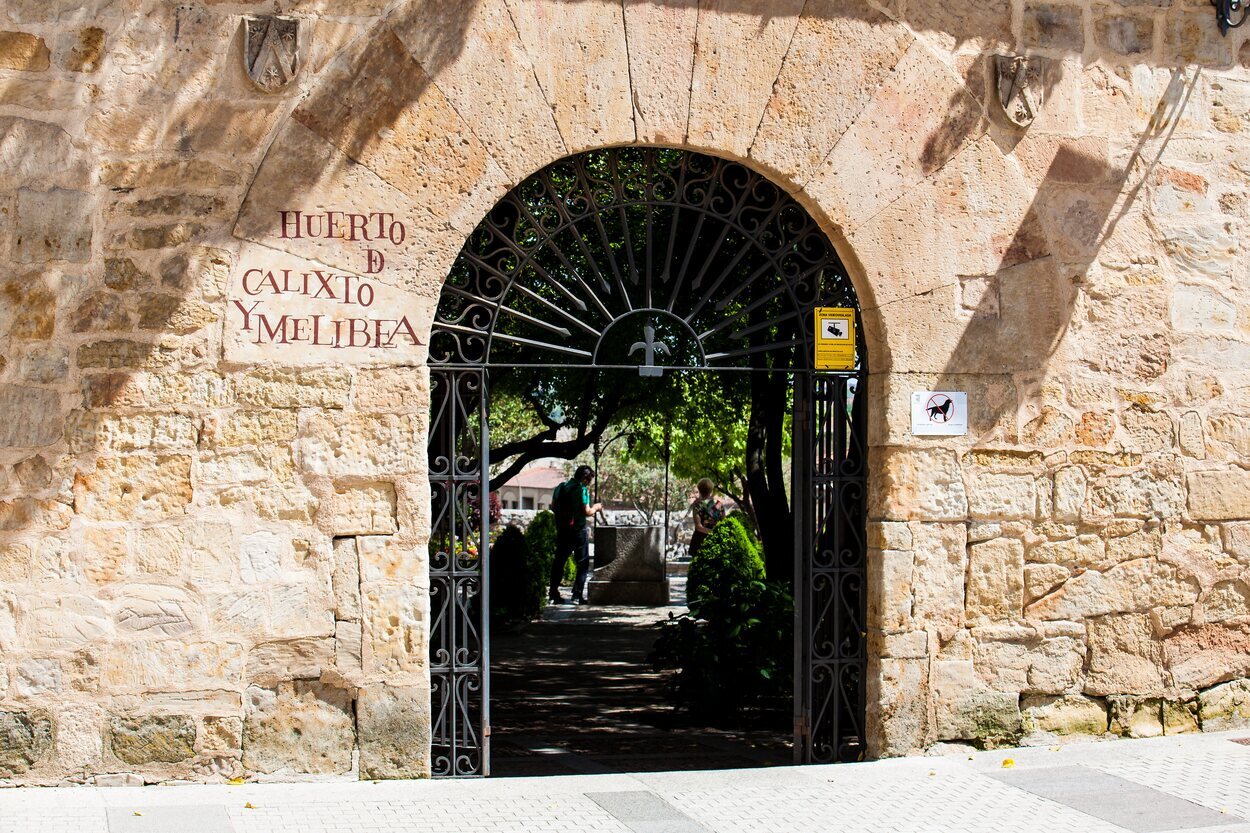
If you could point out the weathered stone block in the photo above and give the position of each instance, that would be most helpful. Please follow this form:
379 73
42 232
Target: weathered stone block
1222 495
1040 579
1125 35
1132 586
295 388
346 579
1123 656
797 130
661 50
153 739
87 50
1226 600
154 610
1199 656
271 663
731 86
1066 715
898 706
1225 706
137 486
922 485
890 589
938 577
53 225
298 727
1143 494
348 647
1180 718
964 711
173 665
23 51
172 314
29 416
995 581
1136 717
359 510
394 631
392 389
365 445
247 428
394 731
1001 496
25 741
221 735
38 676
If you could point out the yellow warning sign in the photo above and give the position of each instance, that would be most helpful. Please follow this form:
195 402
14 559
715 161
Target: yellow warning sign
835 338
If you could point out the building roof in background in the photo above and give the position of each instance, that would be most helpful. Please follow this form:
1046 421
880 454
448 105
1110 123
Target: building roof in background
539 477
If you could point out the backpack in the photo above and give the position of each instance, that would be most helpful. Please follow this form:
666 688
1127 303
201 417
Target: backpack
564 501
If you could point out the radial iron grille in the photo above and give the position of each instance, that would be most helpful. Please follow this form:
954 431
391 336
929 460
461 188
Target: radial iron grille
646 258
632 257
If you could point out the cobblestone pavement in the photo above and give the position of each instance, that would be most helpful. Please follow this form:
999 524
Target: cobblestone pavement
1190 782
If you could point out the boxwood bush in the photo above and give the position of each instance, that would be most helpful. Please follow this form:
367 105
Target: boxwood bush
734 649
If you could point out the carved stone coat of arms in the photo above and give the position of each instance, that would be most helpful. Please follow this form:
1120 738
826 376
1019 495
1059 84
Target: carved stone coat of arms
1021 87
271 50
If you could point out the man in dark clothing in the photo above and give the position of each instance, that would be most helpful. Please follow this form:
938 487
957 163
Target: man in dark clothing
571 504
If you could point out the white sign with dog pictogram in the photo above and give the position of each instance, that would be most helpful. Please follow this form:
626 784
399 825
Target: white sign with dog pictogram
939 413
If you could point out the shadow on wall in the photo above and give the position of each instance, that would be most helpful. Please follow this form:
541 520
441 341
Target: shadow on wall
139 302
176 167
1018 313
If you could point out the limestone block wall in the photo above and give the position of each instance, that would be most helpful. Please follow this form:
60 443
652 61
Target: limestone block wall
212 545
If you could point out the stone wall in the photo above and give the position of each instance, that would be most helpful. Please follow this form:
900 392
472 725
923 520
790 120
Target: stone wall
212 552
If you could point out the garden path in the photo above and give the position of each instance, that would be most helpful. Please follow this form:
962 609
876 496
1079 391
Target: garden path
572 693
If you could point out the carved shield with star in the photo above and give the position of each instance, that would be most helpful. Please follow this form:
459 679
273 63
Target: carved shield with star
1021 87
271 51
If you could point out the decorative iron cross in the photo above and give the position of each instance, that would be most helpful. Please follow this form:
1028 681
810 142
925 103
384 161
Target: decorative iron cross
649 347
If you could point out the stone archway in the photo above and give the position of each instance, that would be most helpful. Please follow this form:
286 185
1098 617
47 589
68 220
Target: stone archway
431 129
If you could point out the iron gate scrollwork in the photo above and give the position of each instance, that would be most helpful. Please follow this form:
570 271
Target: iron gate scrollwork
830 470
459 548
648 259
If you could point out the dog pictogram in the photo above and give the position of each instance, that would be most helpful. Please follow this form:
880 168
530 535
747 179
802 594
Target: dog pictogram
940 408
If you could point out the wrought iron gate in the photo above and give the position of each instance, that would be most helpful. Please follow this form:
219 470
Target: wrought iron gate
647 259
459 451
830 475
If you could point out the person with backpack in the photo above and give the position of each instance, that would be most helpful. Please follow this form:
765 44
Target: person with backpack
570 502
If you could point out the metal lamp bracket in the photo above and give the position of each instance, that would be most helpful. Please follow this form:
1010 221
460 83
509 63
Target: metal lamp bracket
1230 13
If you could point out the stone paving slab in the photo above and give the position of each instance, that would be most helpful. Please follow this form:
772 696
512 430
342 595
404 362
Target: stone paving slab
1202 780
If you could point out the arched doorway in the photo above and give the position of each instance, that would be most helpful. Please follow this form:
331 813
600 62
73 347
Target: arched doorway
646 259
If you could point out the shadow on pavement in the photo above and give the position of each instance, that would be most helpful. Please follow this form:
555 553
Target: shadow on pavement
573 693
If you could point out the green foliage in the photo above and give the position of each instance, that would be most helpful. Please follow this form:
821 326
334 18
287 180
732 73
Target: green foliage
511 566
747 524
541 537
625 479
741 658
707 430
733 650
725 566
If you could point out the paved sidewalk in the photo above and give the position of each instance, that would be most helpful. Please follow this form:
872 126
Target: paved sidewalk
1192 782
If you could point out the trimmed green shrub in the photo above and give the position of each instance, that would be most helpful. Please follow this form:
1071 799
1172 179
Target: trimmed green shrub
739 658
727 563
541 535
511 599
734 649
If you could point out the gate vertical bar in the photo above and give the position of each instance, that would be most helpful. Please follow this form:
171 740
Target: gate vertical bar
457 549
484 567
802 498
830 597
